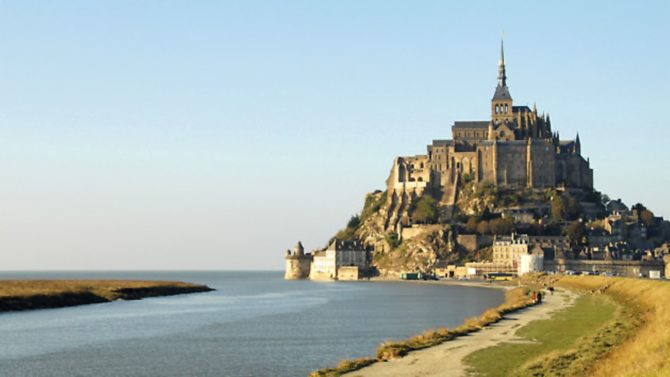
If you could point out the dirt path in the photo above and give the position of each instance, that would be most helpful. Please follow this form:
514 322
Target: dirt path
446 359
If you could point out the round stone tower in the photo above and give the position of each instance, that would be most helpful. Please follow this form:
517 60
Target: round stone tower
297 263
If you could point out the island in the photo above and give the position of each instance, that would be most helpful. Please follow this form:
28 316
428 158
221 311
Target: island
500 198
507 202
44 294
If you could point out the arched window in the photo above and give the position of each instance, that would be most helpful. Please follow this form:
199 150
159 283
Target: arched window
506 108
420 179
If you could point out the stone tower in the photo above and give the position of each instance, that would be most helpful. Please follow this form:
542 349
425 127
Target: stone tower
298 263
501 103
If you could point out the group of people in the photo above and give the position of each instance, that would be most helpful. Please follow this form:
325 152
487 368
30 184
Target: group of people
536 297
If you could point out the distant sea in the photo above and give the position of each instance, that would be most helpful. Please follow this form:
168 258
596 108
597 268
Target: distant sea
254 324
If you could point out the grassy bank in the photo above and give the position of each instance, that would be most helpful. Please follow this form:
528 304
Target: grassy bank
557 346
619 327
644 350
515 299
43 294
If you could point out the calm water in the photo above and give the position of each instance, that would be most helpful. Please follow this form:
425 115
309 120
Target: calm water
255 324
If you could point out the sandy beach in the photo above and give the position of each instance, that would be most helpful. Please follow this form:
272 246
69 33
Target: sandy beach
446 360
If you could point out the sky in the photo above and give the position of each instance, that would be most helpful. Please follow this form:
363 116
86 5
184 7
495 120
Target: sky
151 135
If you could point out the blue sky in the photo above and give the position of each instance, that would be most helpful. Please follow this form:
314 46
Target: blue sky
214 135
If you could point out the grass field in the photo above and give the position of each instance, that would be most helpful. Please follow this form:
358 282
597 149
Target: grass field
620 327
644 350
550 343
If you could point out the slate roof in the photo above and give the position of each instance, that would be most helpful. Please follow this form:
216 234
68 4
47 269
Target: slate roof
471 124
502 93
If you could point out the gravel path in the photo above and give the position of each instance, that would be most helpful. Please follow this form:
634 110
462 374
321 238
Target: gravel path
446 359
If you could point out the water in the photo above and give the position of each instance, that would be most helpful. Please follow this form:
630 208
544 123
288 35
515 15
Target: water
255 324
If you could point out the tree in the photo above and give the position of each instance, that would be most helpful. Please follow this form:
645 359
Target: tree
575 232
647 217
639 207
559 208
354 222
471 225
574 208
501 226
424 210
604 199
483 227
565 208
392 239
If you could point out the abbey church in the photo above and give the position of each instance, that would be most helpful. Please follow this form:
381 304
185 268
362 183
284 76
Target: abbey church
516 148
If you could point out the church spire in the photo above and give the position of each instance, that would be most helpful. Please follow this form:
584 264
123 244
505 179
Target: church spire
502 77
501 103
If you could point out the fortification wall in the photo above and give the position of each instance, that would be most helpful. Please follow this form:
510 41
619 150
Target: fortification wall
615 267
297 267
348 273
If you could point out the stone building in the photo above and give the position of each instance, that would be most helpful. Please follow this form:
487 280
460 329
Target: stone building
508 250
533 262
515 148
349 255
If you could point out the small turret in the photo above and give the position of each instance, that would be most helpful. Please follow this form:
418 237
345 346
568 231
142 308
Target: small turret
578 145
298 249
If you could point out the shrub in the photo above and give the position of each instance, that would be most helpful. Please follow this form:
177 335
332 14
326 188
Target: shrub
393 240
354 222
424 210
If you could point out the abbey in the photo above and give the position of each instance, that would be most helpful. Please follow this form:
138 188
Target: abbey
516 148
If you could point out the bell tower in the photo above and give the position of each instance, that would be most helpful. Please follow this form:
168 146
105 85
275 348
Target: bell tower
501 103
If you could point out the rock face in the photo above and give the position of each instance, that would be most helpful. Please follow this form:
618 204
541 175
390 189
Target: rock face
415 247
421 247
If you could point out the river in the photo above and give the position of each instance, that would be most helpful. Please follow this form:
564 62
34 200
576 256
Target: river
254 324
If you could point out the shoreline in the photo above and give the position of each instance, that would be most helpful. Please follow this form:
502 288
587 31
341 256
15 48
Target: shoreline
517 298
431 361
611 349
462 283
21 295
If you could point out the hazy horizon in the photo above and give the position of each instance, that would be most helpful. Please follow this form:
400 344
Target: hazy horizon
209 135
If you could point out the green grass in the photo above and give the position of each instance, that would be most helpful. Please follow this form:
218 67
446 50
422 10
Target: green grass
559 345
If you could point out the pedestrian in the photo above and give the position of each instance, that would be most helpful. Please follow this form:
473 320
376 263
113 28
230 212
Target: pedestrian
534 297
539 297
551 290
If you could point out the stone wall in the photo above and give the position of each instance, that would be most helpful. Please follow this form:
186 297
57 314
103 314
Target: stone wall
297 267
615 267
474 242
348 273
410 232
